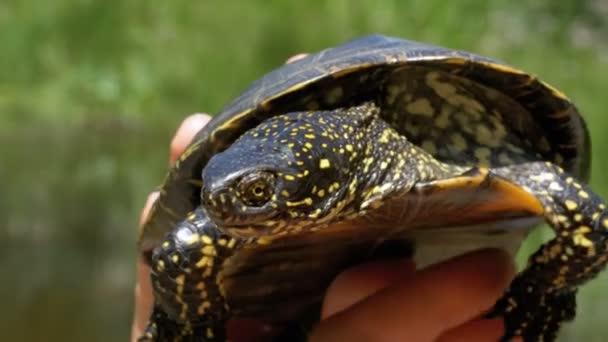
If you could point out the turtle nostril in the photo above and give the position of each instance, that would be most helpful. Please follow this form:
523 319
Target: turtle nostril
209 198
207 201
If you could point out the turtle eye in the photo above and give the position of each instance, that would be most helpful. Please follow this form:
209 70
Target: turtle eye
256 189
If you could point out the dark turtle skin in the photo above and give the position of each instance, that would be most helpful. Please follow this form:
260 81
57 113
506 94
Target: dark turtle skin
376 144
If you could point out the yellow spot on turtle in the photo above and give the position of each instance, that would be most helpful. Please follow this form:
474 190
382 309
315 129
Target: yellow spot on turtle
583 230
166 244
289 177
384 136
206 239
443 119
581 240
309 136
578 217
204 261
570 204
335 185
175 258
284 193
324 163
307 201
203 294
308 145
605 223
209 332
301 175
209 250
160 265
192 239
484 136
420 106
458 141
483 155
383 165
442 89
321 193
583 194
349 147
393 90
264 240
231 243
180 279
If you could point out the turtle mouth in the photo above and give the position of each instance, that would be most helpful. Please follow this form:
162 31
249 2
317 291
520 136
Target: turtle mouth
248 227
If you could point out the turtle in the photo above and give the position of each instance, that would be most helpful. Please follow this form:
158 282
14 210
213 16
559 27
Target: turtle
377 146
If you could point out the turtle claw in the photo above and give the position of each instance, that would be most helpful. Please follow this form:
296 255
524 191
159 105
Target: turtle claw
161 328
150 334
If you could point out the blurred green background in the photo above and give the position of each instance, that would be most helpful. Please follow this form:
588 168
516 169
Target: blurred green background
91 92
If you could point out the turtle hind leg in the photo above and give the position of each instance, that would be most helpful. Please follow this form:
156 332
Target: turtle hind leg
161 328
532 314
543 295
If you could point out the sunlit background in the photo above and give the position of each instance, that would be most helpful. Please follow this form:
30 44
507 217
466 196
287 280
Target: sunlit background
91 91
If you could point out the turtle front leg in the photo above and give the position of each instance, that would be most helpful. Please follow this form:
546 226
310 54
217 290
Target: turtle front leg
188 304
161 328
543 295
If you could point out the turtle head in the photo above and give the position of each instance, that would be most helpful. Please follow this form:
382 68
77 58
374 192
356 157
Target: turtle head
293 170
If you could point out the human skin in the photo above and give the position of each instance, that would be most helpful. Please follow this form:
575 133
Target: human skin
380 301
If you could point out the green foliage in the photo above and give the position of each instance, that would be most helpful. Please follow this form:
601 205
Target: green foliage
90 92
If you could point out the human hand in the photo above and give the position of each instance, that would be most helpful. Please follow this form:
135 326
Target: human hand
390 301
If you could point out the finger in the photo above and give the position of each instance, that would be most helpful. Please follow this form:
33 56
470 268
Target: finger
296 58
143 287
152 197
249 330
481 330
186 131
437 299
357 283
143 299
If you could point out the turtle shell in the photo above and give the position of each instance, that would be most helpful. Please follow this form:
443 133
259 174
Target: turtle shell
359 71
